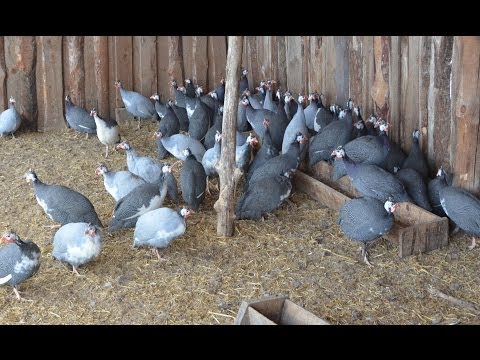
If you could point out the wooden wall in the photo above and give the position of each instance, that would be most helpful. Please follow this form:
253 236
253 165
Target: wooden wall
426 82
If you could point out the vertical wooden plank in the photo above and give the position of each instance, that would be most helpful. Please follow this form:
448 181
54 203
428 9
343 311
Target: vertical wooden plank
100 51
162 68
145 64
281 75
294 58
91 100
467 169
49 83
73 69
20 59
217 60
123 65
356 72
253 75
263 58
440 102
368 75
342 69
425 55
315 60
330 87
112 91
176 63
3 73
195 59
306 65
393 114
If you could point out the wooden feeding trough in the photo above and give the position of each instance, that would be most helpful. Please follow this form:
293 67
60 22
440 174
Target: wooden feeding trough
415 231
275 310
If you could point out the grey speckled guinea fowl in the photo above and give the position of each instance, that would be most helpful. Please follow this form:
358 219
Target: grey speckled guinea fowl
10 119
62 204
168 126
78 118
415 159
137 104
323 116
77 244
415 186
144 166
193 181
118 183
463 208
19 260
263 196
434 187
159 227
366 219
175 145
373 181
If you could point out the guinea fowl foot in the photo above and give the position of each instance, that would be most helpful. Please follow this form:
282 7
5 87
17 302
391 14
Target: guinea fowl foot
86 137
56 226
158 255
75 271
365 255
473 245
19 297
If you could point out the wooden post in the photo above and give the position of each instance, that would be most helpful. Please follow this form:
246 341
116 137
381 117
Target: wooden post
3 75
225 203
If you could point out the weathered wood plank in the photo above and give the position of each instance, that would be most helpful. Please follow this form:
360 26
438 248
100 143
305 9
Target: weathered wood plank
294 57
123 64
163 78
467 163
393 113
49 83
316 65
324 172
3 74
100 51
145 64
330 68
217 60
356 72
195 59
264 58
342 70
292 314
91 100
281 64
441 102
73 69
20 59
380 88
176 69
425 55
368 76
256 318
112 91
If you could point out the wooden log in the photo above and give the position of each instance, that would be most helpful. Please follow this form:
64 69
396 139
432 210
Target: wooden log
20 59
3 74
100 51
217 60
74 69
467 168
225 204
50 83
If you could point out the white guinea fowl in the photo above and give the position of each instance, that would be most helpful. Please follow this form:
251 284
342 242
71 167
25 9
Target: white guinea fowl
108 131
10 119
118 183
158 228
77 244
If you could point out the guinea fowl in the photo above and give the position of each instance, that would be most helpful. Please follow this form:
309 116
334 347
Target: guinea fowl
211 158
209 140
168 126
324 116
210 99
242 122
296 125
415 186
395 157
78 118
373 181
172 187
19 260
62 204
243 82
280 164
243 153
463 208
77 244
290 105
160 108
255 101
416 160
264 196
159 227
118 183
137 104
434 187
140 200
147 168
181 115
266 152
179 95
10 119
359 127
220 91
190 89
199 120
366 219
268 102
311 110
175 145
280 108
193 181
108 131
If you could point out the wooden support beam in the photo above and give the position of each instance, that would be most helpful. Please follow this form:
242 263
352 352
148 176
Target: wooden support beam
225 204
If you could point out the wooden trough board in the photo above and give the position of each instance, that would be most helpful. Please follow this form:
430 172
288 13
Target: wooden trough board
415 231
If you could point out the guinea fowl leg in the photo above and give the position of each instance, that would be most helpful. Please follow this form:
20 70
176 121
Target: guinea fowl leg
106 152
75 271
86 136
208 187
474 244
57 226
155 250
365 254
17 294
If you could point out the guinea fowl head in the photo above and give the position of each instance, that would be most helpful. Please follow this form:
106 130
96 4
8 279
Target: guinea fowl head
118 84
278 94
244 72
187 152
101 169
123 145
245 101
356 109
155 97
301 99
166 168
252 140
91 230
9 237
11 100
350 104
68 99
173 83
359 125
186 212
93 112
415 135
390 205
339 152
199 91
218 136
157 134
266 122
440 172
213 94
31 176
300 138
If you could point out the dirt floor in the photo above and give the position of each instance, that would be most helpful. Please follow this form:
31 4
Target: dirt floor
298 251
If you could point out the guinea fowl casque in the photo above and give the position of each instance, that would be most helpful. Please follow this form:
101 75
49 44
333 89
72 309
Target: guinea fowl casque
108 131
19 260
78 118
10 119
366 219
62 204
77 244
159 227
